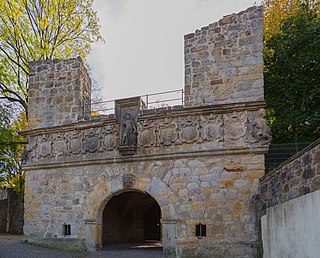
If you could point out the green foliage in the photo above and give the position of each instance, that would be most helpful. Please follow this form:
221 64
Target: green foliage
292 75
32 30
11 175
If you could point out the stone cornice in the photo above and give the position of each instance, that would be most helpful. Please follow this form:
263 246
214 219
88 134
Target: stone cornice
204 110
70 127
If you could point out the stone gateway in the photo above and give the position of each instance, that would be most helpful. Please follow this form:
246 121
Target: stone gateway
186 176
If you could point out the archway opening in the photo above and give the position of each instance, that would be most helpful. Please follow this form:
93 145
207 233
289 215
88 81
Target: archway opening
131 218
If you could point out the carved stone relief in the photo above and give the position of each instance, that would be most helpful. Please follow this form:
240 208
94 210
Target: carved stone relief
167 131
212 128
127 111
109 137
232 129
189 129
59 145
147 136
30 151
128 180
44 149
128 129
75 142
235 126
182 130
71 143
91 141
258 132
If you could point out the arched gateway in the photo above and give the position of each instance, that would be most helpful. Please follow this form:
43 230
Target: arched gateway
185 175
118 212
131 217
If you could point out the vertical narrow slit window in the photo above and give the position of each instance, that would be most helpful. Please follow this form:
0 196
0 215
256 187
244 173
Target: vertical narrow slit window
201 230
67 229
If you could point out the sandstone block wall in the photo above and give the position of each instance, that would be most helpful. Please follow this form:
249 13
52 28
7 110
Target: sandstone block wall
223 61
59 92
215 191
298 176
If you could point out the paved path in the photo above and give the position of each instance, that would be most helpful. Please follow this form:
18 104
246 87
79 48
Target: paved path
10 247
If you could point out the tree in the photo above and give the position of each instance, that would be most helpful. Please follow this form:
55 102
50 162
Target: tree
276 11
292 75
11 145
32 30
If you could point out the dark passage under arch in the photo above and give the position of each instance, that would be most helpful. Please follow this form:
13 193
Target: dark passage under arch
131 217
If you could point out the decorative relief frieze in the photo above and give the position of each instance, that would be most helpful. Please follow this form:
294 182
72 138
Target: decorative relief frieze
71 143
236 129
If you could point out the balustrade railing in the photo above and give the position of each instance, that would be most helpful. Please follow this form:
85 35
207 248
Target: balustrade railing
150 101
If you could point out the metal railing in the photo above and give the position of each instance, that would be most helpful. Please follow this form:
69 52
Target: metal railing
151 101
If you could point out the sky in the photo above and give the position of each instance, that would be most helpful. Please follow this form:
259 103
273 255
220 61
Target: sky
143 52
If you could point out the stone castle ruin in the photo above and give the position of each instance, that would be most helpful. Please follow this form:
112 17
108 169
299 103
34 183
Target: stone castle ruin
186 175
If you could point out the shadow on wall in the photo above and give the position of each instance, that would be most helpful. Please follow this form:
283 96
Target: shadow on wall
11 212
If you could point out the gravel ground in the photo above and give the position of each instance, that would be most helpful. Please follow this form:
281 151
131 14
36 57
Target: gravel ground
10 247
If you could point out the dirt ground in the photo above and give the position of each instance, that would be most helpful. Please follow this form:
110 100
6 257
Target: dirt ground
11 247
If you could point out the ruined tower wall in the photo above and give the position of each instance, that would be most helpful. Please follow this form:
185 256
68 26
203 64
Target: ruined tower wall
223 61
59 92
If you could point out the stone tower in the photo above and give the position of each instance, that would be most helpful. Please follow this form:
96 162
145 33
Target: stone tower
223 61
59 92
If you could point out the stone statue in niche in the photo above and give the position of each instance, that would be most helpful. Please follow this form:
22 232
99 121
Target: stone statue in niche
257 129
129 137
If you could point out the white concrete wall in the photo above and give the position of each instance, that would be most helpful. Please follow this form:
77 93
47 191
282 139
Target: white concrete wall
292 229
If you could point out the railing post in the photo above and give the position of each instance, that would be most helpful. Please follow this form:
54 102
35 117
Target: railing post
147 101
182 96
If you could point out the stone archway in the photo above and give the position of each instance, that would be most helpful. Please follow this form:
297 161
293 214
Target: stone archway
131 217
103 192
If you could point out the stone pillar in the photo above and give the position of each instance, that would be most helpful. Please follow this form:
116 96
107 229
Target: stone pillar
93 233
169 235
59 92
223 61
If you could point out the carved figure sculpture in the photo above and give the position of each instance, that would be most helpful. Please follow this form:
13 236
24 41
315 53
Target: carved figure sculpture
129 133
257 129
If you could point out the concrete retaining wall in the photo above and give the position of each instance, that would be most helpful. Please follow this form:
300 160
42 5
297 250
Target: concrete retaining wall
292 229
